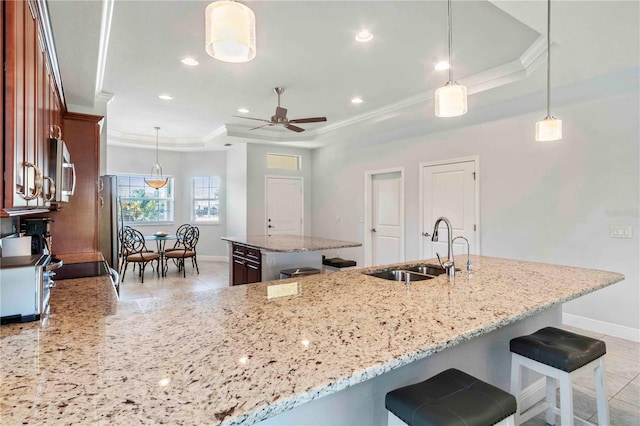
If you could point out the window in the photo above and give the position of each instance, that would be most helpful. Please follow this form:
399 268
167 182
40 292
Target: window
142 204
206 199
283 162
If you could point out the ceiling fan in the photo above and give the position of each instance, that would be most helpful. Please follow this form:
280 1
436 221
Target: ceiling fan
280 117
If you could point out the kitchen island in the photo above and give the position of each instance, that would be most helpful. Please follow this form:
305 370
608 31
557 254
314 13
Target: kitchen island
262 257
233 356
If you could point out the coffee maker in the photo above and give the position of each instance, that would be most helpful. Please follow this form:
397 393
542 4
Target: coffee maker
39 230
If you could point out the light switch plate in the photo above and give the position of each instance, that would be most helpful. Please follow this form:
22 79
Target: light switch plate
616 231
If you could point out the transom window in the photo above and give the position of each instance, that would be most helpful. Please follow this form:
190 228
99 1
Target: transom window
283 162
206 199
141 204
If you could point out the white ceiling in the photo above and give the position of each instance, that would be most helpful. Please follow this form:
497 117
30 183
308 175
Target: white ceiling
308 48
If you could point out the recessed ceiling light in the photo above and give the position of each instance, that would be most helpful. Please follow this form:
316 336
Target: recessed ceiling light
243 110
364 36
441 66
356 101
189 61
165 97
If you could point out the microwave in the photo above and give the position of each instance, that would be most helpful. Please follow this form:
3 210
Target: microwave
61 170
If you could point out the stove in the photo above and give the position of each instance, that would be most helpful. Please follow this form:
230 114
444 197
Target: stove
82 270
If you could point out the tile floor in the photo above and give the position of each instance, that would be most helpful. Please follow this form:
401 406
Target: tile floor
622 363
212 275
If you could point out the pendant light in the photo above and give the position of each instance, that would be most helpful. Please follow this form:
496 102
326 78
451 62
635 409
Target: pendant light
550 128
451 99
230 31
156 180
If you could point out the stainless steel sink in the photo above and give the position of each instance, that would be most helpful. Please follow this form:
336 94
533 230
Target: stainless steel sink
427 269
400 275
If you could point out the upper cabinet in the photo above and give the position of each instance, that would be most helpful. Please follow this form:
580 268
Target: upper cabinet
32 107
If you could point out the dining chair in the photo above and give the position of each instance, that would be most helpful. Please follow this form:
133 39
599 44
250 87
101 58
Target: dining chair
134 250
188 250
180 232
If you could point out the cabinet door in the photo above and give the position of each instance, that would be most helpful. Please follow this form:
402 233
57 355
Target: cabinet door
239 271
75 229
253 272
25 113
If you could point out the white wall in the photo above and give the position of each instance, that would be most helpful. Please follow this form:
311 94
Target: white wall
256 172
548 202
237 190
183 166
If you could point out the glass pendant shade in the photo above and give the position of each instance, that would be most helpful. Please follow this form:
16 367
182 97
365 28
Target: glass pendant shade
230 31
549 129
156 180
451 100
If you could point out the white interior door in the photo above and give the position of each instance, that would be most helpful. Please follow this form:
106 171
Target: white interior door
284 205
386 218
449 190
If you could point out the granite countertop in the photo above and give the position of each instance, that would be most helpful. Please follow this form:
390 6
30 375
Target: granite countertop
291 243
231 356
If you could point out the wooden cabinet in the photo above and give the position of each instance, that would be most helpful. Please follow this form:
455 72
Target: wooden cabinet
247 265
76 226
32 105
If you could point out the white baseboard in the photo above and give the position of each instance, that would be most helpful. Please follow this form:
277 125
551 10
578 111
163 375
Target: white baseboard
214 258
532 394
610 329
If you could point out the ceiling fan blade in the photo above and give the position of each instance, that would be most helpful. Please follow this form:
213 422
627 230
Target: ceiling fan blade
251 118
260 127
308 120
294 128
281 112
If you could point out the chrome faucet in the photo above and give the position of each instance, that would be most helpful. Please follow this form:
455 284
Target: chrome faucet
469 267
449 264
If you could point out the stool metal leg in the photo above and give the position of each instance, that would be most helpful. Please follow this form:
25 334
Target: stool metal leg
601 394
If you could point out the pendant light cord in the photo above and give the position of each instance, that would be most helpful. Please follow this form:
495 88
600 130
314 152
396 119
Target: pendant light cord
157 128
449 29
548 58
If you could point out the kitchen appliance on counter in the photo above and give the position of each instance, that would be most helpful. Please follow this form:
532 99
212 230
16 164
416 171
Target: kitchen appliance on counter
25 285
39 231
62 171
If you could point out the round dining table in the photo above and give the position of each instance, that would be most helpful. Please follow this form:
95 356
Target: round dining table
161 241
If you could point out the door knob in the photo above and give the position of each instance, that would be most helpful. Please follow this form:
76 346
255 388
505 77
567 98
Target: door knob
373 230
426 234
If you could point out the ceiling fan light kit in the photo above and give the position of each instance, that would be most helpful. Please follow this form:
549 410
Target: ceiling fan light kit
451 99
550 128
230 31
156 180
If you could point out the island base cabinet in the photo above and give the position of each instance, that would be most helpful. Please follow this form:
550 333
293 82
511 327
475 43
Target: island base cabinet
246 265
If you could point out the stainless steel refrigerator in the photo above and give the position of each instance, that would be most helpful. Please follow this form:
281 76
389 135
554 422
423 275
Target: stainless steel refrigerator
109 219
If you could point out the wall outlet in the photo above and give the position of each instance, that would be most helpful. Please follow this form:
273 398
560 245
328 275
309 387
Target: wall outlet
616 231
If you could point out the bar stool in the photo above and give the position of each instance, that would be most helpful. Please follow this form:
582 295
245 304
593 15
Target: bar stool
559 355
450 398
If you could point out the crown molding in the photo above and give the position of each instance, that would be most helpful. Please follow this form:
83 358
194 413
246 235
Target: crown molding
509 72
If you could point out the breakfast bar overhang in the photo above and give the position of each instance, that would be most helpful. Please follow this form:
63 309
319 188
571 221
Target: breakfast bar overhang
232 356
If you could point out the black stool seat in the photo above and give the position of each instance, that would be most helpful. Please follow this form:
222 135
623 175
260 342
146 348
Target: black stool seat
451 398
558 348
338 262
